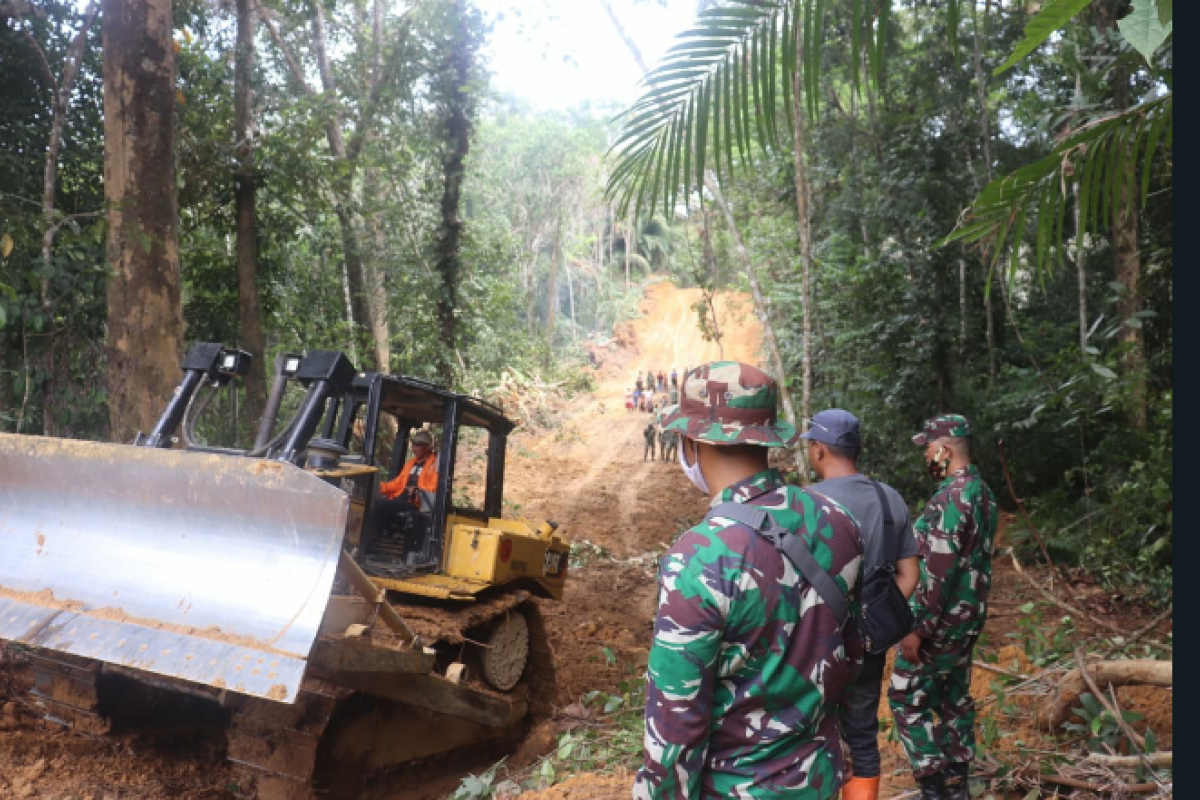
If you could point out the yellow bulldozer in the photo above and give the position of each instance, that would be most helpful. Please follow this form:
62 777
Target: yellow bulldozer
257 583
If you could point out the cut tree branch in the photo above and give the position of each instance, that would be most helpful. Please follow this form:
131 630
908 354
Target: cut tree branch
1075 783
1099 623
1057 708
1156 759
1137 635
1112 709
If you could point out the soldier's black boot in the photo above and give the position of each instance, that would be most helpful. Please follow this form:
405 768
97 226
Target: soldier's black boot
933 787
957 786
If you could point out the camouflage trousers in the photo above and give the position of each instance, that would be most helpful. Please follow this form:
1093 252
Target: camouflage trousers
939 688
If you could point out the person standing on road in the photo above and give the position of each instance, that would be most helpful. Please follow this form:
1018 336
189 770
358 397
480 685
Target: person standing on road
649 434
932 676
834 443
672 445
748 663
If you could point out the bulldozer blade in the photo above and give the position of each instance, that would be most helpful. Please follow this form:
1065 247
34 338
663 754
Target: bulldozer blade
206 567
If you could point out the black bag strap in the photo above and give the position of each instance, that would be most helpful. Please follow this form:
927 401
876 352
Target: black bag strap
792 546
888 524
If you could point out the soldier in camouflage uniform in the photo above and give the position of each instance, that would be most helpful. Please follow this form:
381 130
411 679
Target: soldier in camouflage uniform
672 445
748 663
932 676
650 434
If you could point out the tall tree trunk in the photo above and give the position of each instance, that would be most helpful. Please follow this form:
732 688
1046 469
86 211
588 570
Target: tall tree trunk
343 185
145 318
629 245
1126 260
1081 277
245 190
552 289
356 279
346 157
710 256
456 133
530 277
612 233
571 300
374 274
962 310
805 230
50 221
376 288
985 118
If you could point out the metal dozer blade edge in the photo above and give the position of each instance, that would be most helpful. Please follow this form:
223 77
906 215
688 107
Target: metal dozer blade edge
206 567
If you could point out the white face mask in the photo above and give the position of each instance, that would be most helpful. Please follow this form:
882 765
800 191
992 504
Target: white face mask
693 471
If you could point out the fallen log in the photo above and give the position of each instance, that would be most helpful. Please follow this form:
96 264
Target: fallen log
1106 788
1057 709
1155 760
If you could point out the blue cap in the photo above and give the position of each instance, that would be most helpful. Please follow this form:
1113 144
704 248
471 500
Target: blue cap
834 426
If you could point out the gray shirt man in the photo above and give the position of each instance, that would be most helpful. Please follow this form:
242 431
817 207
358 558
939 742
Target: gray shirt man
833 446
856 493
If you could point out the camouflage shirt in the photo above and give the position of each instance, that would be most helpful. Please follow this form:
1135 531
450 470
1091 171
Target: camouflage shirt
955 534
747 665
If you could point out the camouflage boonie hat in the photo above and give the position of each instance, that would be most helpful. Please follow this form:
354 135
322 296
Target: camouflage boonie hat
942 425
727 402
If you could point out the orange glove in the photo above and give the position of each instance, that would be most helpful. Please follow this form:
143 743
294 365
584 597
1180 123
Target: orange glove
391 489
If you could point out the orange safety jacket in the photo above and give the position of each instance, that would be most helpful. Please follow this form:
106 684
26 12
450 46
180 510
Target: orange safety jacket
427 480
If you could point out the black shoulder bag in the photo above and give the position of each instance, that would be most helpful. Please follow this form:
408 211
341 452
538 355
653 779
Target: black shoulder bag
886 617
791 546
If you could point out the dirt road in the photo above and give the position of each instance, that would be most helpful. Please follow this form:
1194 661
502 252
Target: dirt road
591 478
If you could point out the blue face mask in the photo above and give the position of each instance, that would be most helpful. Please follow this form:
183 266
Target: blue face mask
693 471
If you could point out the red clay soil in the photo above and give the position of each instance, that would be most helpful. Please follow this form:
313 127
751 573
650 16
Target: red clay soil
589 476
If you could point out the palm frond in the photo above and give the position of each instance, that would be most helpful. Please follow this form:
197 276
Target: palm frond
1101 157
714 90
1053 15
720 90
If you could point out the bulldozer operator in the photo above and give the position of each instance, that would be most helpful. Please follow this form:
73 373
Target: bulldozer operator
411 492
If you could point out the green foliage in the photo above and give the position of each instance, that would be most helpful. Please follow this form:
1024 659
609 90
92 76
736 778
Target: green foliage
1099 157
722 89
585 551
1053 15
609 738
1144 29
478 787
1044 641
52 306
1122 530
1100 729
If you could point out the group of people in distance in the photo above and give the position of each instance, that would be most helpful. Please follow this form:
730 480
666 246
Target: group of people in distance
666 441
653 391
754 679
